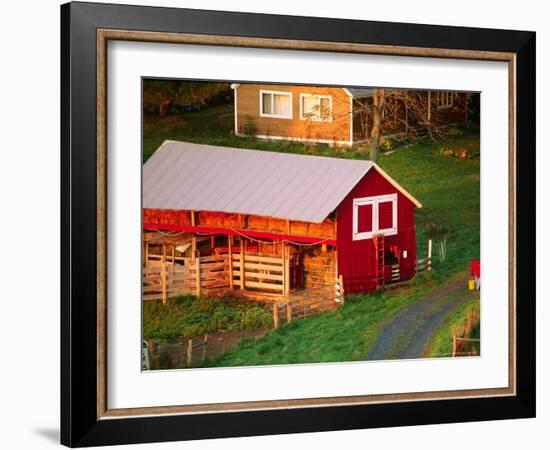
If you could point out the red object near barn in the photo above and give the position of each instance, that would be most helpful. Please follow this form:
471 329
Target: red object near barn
475 268
324 217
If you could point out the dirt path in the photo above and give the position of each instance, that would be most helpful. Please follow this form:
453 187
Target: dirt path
407 334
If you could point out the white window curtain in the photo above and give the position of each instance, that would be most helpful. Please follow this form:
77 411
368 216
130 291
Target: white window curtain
278 105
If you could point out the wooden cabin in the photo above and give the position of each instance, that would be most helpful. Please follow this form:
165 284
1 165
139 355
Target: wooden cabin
337 116
273 226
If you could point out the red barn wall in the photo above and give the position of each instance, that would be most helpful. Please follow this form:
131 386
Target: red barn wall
357 259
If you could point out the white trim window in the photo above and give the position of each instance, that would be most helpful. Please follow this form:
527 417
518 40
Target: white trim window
276 104
444 99
317 108
374 215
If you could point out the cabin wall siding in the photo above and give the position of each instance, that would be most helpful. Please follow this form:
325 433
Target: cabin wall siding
248 110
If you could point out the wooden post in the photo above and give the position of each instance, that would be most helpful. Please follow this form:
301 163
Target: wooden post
204 347
454 345
189 352
193 246
198 276
146 255
173 254
230 251
163 253
275 315
341 282
429 254
163 276
242 263
286 268
288 312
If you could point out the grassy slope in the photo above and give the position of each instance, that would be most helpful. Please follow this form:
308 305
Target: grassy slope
448 189
442 342
343 335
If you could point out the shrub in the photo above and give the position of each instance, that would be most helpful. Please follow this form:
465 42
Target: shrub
386 145
454 131
249 127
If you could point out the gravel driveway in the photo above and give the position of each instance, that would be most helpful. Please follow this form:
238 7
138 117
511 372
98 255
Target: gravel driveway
407 334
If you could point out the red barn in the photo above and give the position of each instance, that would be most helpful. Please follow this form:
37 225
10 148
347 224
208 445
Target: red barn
274 224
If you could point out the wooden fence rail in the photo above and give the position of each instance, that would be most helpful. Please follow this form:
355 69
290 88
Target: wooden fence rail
253 271
207 275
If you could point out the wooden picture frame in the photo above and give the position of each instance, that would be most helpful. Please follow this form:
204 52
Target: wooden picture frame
85 417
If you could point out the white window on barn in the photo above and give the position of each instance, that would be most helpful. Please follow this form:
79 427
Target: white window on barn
444 99
374 215
316 107
276 104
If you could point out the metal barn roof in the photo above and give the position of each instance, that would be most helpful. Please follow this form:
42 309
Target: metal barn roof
187 176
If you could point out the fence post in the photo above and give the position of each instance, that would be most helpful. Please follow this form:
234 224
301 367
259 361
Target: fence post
163 277
198 276
341 282
275 315
429 254
288 312
189 352
230 252
454 345
204 345
242 263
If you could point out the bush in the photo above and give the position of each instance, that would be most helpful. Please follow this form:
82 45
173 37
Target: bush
249 127
386 145
454 131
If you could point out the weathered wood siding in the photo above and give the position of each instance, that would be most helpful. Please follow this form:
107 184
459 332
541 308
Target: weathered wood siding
335 131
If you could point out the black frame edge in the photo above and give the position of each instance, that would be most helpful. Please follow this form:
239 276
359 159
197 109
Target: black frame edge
79 425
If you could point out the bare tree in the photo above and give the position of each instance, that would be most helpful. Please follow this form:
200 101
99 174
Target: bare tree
388 110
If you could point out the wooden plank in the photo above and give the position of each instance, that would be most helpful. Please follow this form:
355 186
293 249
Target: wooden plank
264 276
241 262
230 248
258 266
254 284
275 316
261 258
198 276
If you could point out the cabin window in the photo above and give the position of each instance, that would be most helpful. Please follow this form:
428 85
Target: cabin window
276 104
374 215
316 107
444 99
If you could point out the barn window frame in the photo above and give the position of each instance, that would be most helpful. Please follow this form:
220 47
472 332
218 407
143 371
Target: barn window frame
444 99
273 94
313 117
374 201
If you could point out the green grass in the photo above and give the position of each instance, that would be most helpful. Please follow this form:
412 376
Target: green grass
442 342
187 316
343 335
448 189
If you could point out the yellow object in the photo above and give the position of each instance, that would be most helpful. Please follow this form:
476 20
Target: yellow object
324 248
471 284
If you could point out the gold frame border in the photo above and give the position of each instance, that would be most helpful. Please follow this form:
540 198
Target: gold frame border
103 36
